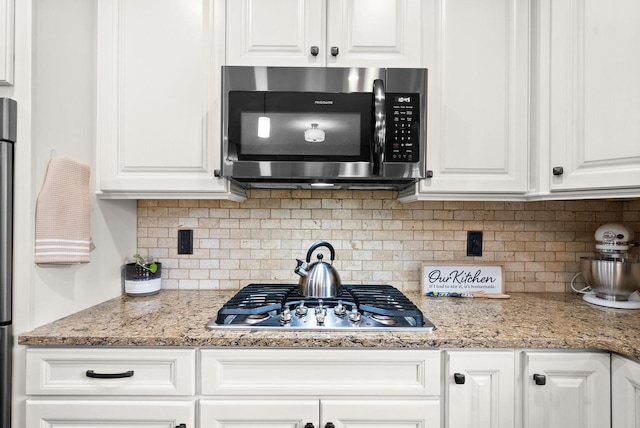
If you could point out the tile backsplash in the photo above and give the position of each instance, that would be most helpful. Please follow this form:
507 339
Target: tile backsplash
377 239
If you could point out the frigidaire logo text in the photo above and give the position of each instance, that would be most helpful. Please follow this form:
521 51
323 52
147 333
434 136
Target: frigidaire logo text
323 102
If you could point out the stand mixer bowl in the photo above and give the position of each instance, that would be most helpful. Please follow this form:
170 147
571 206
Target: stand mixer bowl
612 278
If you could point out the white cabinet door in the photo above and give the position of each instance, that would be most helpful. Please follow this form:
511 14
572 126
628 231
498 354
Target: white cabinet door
258 413
375 33
479 389
353 33
566 390
380 413
158 99
594 96
112 414
275 32
286 413
6 41
478 114
625 393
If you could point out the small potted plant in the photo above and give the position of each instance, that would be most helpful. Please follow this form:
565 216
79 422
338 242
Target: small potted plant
142 277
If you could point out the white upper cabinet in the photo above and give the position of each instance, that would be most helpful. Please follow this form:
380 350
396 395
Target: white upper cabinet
159 99
478 108
6 41
590 103
353 33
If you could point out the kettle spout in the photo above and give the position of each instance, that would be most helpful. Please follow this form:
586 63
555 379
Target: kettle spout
301 269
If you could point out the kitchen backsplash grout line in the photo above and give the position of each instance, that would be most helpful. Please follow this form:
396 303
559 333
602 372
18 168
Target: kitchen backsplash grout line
377 239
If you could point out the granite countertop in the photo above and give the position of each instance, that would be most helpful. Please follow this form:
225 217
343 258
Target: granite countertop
527 320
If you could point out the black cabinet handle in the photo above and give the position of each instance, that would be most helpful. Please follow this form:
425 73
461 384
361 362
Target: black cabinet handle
334 52
540 379
458 378
308 425
314 51
181 426
558 170
91 373
429 174
329 425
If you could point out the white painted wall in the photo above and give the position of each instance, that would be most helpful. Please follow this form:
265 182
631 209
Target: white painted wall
64 108
55 89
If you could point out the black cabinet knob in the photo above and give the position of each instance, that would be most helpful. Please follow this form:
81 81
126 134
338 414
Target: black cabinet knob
308 425
314 51
181 426
329 425
334 51
429 173
217 173
540 379
458 378
558 170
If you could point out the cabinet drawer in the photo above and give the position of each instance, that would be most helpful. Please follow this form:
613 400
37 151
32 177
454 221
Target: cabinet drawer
317 372
110 371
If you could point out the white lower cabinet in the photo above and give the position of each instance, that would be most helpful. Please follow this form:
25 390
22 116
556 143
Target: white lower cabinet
329 388
625 393
257 413
479 389
338 413
566 390
113 414
110 387
305 388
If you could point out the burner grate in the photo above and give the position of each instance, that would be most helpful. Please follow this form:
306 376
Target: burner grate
385 300
256 299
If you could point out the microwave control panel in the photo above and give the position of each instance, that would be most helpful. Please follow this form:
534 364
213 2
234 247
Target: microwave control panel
403 128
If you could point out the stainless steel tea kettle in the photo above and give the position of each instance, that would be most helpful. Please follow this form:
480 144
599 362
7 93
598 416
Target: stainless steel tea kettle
318 279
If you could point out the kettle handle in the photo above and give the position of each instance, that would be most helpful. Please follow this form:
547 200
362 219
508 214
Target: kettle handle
316 246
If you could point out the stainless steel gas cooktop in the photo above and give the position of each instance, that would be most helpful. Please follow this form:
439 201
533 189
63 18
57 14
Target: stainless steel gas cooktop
358 307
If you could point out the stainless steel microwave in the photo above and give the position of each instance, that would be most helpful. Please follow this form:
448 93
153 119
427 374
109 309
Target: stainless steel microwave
314 127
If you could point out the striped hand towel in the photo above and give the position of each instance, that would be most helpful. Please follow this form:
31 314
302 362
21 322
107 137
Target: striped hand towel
63 214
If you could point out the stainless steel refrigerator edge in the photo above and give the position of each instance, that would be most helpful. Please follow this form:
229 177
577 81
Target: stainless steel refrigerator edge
8 112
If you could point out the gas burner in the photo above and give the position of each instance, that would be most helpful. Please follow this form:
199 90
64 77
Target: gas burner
384 319
358 307
256 318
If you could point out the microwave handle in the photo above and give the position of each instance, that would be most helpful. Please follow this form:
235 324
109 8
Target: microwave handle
380 127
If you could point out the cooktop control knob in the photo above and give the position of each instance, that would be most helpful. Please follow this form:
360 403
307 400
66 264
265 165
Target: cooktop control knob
301 309
285 316
321 312
354 315
340 310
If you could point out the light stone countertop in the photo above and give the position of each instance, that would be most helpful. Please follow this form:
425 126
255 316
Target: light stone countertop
527 320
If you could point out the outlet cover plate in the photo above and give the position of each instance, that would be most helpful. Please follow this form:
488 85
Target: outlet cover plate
185 241
474 243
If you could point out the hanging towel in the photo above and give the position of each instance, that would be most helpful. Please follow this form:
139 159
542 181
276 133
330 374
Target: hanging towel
63 214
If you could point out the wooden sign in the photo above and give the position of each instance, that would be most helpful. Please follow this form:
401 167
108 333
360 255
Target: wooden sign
461 278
